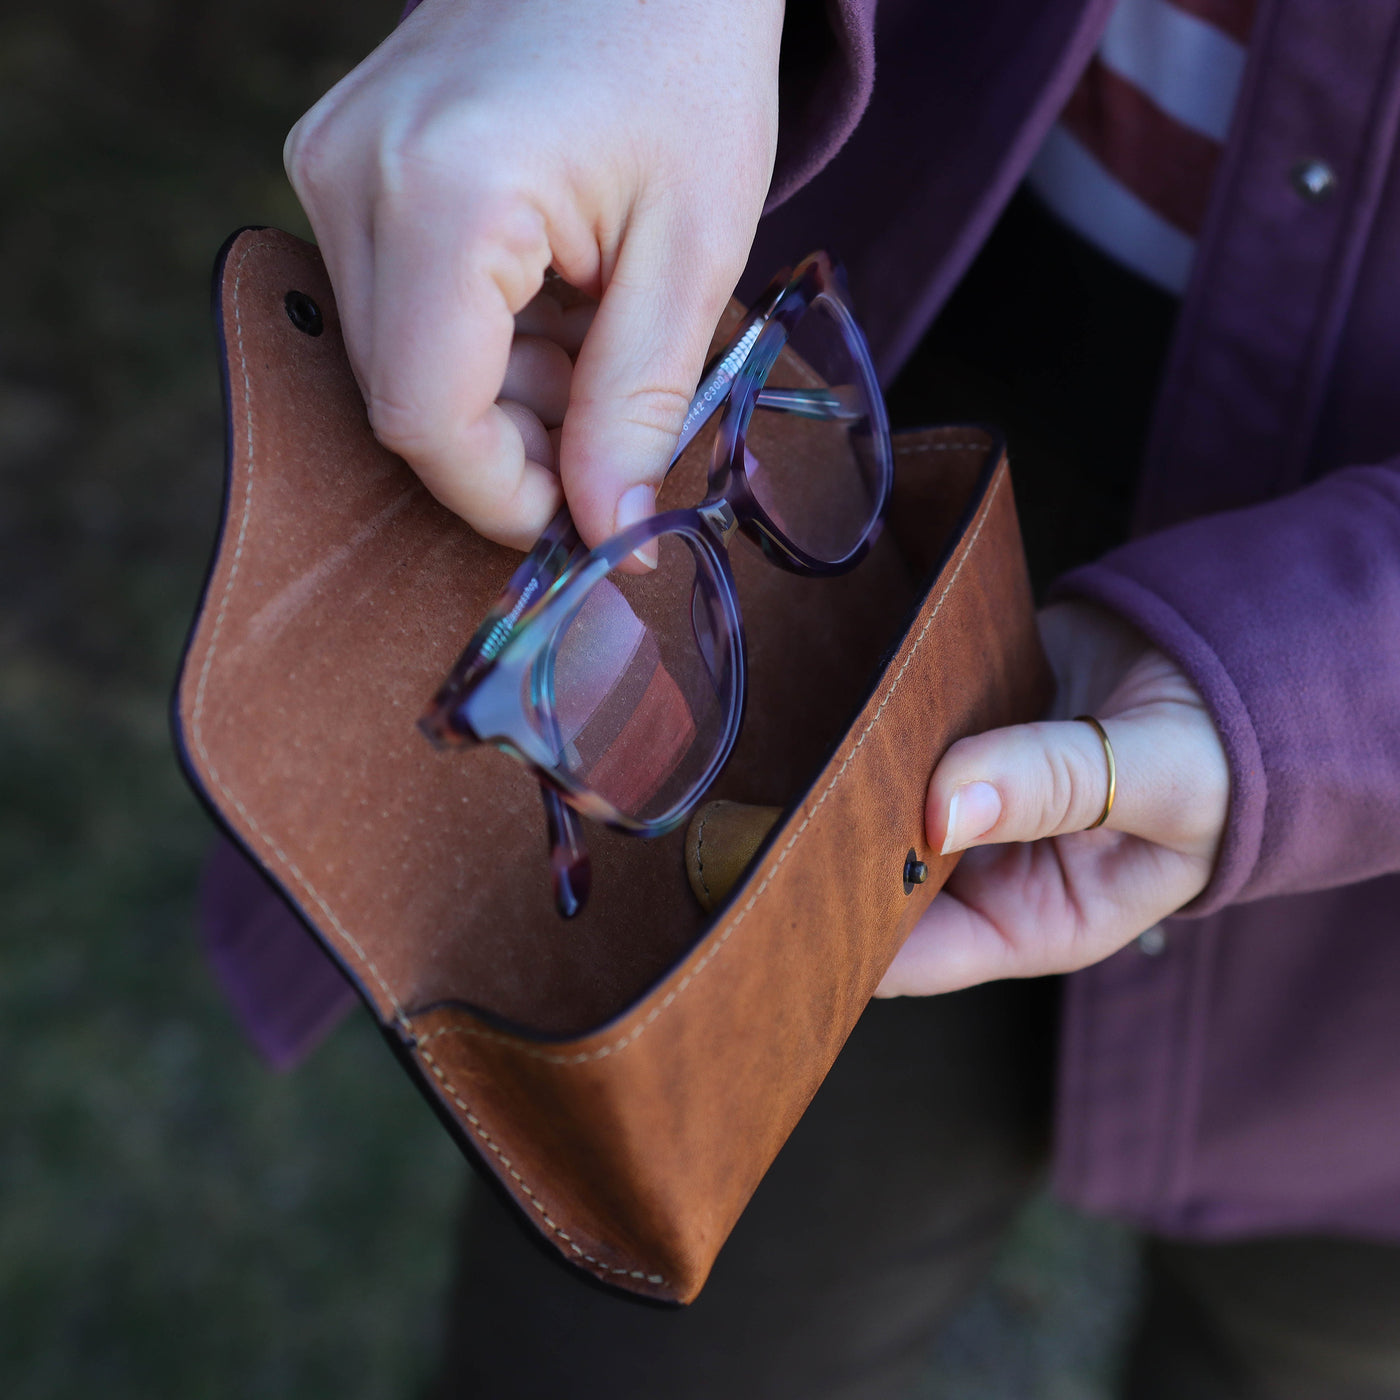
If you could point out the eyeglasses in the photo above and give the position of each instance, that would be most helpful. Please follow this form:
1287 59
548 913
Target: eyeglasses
624 691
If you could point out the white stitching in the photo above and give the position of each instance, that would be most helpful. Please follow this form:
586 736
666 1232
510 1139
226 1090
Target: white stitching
632 1037
479 1129
289 864
583 1057
198 711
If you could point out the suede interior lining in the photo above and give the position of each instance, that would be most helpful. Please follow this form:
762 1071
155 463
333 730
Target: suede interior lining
341 595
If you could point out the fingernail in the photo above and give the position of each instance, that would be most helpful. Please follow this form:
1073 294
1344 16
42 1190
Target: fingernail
637 504
974 810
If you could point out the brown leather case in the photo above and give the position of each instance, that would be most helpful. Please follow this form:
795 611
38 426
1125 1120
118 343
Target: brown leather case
629 1075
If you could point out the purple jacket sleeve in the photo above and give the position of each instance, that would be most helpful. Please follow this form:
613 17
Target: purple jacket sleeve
826 73
1286 616
825 79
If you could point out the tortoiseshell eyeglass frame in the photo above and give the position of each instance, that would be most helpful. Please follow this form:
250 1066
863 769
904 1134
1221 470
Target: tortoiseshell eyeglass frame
481 699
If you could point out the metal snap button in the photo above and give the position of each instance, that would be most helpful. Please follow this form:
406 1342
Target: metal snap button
1314 180
303 313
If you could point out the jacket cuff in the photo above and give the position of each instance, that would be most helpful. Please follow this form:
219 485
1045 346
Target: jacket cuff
1285 616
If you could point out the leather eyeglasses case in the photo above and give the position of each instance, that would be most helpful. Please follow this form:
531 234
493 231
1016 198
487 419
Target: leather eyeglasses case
628 1076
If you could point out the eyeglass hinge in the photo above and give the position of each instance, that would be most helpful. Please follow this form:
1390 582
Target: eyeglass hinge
720 517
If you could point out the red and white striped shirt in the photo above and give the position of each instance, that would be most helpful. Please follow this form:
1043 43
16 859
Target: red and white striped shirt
1129 164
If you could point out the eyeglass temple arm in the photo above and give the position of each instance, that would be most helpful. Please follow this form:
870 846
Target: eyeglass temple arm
559 546
568 856
840 402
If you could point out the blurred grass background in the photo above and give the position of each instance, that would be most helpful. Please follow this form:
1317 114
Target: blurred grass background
175 1220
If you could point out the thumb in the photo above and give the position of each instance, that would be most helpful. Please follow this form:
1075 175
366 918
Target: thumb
1031 781
634 378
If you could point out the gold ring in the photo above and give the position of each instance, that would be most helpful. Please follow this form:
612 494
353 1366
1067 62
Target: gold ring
1112 769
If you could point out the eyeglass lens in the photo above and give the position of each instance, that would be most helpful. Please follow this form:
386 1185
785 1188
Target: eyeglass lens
813 463
635 694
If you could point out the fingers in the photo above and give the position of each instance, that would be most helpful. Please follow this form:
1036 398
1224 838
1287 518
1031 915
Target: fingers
441 336
635 376
1036 892
1033 781
535 393
1018 784
429 272
565 326
535 438
537 375
951 947
443 178
1040 909
469 391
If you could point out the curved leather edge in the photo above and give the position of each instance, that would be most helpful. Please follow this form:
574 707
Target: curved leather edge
521 1105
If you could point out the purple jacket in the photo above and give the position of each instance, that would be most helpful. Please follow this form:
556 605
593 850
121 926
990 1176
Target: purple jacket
1243 1074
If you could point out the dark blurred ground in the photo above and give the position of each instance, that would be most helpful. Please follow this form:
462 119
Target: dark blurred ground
174 1220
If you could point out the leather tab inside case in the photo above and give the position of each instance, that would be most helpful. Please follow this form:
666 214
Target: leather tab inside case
626 1076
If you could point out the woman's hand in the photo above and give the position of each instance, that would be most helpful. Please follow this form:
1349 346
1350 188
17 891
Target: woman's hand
629 146
1039 893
